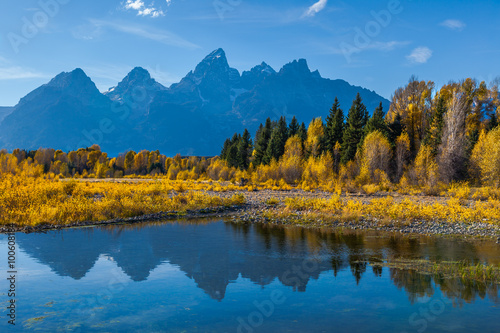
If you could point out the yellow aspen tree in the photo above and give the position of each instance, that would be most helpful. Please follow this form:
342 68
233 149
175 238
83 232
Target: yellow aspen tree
413 103
290 165
315 132
377 154
477 157
425 168
487 154
402 153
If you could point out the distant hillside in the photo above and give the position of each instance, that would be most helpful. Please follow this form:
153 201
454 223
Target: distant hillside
192 117
5 111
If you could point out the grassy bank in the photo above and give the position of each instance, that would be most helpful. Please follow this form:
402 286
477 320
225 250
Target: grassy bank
31 201
389 210
26 201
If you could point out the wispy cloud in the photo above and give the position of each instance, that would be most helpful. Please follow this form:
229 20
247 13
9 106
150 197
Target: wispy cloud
165 78
9 71
316 8
158 35
17 73
386 46
456 25
144 10
377 46
420 55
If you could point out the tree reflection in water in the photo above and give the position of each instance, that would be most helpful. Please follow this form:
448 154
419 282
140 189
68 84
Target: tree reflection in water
215 253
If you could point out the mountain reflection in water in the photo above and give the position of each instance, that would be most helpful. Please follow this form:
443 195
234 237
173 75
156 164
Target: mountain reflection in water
215 253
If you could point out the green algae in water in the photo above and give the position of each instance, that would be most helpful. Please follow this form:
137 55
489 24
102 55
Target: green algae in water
33 321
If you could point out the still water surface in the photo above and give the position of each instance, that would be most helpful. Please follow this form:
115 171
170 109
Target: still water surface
215 276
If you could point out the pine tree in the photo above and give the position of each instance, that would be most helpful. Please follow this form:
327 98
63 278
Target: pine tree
232 156
273 147
353 134
334 127
232 152
225 149
244 150
276 146
302 132
294 127
435 130
395 130
283 128
493 123
262 141
377 122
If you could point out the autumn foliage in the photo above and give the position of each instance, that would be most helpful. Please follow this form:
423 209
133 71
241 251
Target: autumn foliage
428 141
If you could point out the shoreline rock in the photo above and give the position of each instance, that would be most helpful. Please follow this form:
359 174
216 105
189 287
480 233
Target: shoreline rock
257 203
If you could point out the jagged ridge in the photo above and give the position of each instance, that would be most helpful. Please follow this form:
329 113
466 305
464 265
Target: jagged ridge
193 116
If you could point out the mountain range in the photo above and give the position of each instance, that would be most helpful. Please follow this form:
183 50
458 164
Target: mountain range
4 112
192 117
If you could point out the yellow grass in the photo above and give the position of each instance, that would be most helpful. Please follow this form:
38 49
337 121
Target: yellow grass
405 210
33 201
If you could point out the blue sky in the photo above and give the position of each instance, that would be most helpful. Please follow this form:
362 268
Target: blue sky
374 44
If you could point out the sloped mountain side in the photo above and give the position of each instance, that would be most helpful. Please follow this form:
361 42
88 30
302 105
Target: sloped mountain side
5 111
192 117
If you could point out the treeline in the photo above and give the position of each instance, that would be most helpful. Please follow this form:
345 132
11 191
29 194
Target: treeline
427 137
92 162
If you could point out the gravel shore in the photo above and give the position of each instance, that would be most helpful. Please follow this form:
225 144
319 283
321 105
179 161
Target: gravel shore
258 210
256 206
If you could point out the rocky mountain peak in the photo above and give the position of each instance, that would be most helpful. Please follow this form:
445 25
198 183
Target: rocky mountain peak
296 67
138 74
138 79
75 79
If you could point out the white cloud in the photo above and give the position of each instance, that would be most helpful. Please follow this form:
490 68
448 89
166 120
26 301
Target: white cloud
161 76
386 46
316 8
377 46
420 55
17 72
142 9
9 71
454 25
137 4
150 12
158 35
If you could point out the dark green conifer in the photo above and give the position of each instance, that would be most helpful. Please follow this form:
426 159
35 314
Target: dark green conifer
334 127
493 123
261 141
353 134
294 127
232 151
395 129
377 122
435 130
244 150
225 149
276 146
302 132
